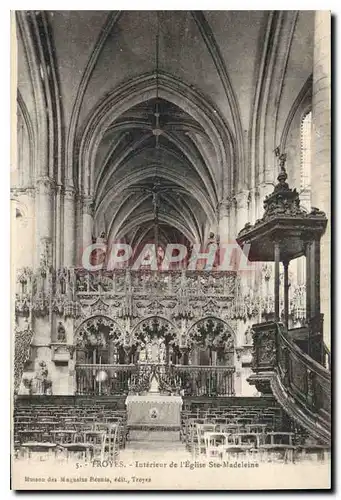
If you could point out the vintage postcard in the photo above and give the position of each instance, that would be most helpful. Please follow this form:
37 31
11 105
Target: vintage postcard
170 194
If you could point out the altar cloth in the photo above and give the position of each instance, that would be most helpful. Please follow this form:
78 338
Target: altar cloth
153 411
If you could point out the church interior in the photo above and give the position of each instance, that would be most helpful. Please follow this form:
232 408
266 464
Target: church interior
178 130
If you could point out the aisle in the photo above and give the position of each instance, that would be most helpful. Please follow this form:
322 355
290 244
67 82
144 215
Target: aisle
151 443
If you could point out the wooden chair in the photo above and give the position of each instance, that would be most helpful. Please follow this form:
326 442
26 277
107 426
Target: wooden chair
112 438
318 452
233 447
214 444
96 440
278 445
45 449
77 448
222 421
201 430
257 428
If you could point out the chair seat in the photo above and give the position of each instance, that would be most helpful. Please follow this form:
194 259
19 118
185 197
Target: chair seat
277 447
312 448
237 449
76 446
38 446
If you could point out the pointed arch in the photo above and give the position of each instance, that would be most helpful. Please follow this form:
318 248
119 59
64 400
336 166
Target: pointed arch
211 331
139 90
97 330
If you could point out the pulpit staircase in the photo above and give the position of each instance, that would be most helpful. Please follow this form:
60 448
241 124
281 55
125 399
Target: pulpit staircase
301 385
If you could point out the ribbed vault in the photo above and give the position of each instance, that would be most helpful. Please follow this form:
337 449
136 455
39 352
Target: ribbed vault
88 85
124 156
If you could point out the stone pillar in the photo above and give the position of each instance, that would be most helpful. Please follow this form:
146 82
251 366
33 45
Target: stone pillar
224 227
44 215
321 138
59 225
14 263
79 228
242 200
88 221
224 221
69 227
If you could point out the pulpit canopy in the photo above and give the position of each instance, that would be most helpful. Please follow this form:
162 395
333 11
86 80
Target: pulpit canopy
285 232
285 222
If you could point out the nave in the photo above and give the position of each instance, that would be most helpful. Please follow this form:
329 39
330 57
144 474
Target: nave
94 432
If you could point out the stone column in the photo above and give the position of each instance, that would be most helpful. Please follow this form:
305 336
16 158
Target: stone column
44 215
321 138
225 220
59 227
242 199
79 228
224 227
69 227
14 263
88 221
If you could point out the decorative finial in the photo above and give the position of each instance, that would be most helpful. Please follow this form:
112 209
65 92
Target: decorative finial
282 158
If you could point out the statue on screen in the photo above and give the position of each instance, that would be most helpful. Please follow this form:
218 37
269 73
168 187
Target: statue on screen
153 351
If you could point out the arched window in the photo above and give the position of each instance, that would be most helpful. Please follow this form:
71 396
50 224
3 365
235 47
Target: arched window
306 152
305 197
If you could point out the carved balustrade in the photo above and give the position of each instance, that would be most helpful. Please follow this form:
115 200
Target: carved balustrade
110 379
305 379
264 355
206 380
97 379
279 362
64 291
143 282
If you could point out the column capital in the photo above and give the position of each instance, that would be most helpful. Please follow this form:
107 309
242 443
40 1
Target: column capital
45 185
22 191
242 198
69 193
88 205
59 189
224 207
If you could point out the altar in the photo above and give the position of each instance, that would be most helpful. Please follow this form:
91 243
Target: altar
153 411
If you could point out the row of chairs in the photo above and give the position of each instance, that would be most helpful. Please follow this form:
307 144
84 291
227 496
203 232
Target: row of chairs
92 431
264 446
227 431
241 418
251 444
99 443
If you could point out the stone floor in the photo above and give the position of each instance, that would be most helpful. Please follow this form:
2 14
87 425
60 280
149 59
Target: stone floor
154 440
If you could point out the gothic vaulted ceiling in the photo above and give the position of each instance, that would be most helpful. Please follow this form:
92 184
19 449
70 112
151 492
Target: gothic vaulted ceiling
182 116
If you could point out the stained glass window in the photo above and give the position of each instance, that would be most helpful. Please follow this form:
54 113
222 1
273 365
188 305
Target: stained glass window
306 152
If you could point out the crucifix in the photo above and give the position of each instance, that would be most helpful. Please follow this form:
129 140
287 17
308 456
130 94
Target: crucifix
155 192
